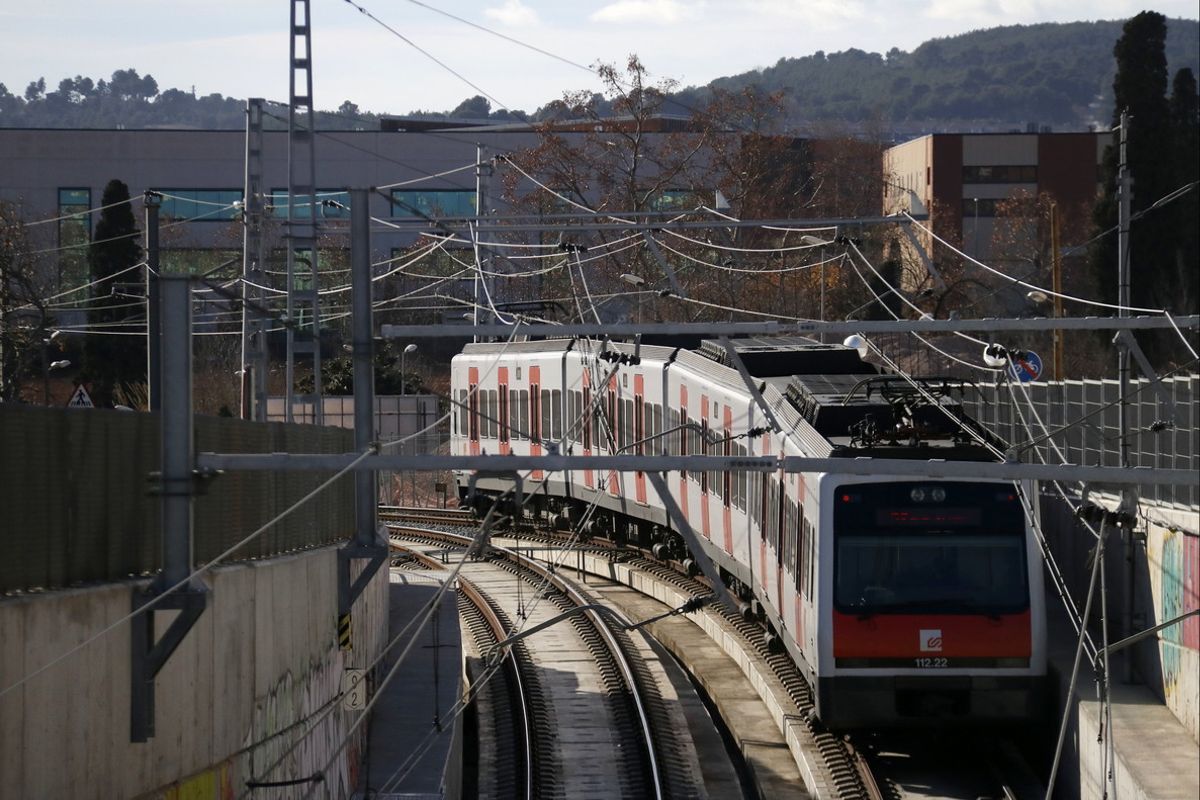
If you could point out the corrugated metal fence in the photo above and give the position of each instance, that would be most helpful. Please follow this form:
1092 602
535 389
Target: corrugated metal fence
1086 417
76 502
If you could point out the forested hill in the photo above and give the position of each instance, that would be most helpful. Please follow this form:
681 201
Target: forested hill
994 79
1049 74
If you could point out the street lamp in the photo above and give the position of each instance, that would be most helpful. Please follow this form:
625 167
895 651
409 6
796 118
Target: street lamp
408 348
47 366
640 283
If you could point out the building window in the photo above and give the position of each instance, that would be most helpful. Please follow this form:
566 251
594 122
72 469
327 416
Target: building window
73 233
331 204
201 205
433 203
201 261
1000 174
74 201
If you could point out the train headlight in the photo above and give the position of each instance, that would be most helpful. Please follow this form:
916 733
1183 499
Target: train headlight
938 494
917 494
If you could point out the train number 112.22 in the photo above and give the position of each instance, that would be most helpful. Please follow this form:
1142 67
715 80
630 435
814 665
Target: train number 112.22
931 663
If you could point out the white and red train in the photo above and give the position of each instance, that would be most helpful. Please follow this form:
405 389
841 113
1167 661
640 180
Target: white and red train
902 600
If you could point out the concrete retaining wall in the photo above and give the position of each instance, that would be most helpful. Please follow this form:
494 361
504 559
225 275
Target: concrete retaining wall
1173 555
252 675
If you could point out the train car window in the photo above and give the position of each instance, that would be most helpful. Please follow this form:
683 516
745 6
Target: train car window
545 431
493 428
572 425
503 415
673 437
556 415
630 423
639 423
611 432
742 478
727 477
535 414
514 415
702 448
685 437
800 557
812 549
595 411
897 550
463 411
473 405
587 418
523 422
656 427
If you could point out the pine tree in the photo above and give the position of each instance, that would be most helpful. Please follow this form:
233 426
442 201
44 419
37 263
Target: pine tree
1185 122
1140 89
113 357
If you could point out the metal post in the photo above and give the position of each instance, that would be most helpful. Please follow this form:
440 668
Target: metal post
153 312
1124 198
367 544
168 590
177 443
482 172
822 334
976 253
1124 203
365 486
1056 262
254 325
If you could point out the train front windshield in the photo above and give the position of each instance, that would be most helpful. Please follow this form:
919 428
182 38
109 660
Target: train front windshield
941 548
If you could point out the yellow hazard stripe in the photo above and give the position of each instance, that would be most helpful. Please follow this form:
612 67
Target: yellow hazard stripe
344 632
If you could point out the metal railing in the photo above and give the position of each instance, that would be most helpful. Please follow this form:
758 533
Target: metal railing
78 503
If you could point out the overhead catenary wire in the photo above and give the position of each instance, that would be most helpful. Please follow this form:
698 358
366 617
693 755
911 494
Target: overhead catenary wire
424 52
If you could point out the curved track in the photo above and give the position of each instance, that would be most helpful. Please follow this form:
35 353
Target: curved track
587 694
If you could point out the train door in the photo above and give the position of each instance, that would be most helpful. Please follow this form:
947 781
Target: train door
684 438
639 433
780 535
704 474
727 482
764 482
473 410
588 423
614 432
502 411
535 417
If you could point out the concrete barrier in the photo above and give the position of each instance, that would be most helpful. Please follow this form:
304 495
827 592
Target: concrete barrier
253 675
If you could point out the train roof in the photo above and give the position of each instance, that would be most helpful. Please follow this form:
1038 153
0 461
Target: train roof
773 356
891 416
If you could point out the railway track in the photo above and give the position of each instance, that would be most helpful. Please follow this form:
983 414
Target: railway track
583 694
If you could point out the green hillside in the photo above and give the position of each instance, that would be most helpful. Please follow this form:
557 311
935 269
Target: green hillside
1050 74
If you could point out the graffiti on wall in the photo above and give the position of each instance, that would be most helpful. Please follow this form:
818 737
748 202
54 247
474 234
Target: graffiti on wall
1180 593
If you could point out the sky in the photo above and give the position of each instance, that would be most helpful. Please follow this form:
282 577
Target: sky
239 48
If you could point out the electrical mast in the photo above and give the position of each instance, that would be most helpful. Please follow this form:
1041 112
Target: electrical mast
303 302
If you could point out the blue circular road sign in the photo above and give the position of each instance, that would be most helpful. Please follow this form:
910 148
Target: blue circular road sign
1026 367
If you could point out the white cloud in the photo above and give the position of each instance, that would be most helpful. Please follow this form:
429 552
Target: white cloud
513 13
657 11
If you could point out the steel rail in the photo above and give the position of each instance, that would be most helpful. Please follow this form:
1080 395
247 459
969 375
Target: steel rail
493 621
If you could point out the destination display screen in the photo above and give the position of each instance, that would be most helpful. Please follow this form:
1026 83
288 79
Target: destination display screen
928 517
